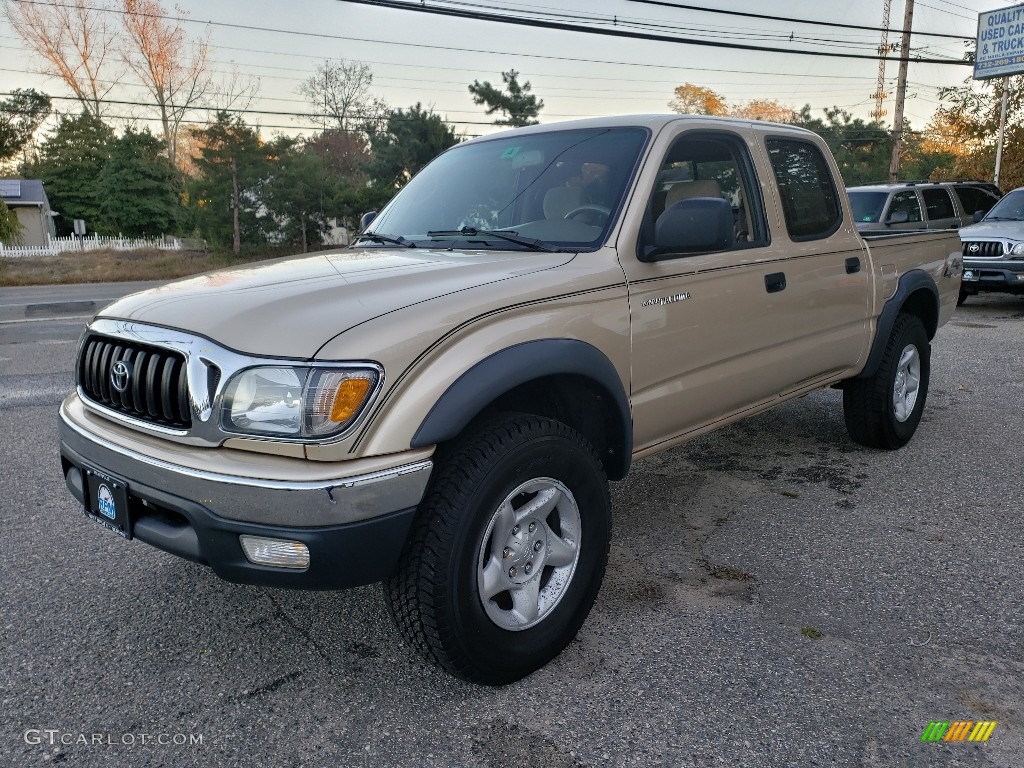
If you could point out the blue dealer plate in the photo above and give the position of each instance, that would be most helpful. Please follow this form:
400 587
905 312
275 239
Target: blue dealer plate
107 502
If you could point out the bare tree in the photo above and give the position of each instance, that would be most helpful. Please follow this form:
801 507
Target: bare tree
75 41
233 92
172 68
341 89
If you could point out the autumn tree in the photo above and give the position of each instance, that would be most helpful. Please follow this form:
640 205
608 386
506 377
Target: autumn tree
20 117
693 99
340 89
969 119
515 102
74 41
173 69
764 109
345 154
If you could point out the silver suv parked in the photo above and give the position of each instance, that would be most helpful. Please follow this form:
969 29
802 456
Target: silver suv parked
994 249
920 205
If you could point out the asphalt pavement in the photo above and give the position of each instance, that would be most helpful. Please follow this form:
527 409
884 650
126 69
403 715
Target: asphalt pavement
776 596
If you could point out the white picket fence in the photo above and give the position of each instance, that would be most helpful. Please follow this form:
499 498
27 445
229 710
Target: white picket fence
90 243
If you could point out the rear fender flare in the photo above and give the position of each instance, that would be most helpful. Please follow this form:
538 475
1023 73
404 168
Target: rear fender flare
909 283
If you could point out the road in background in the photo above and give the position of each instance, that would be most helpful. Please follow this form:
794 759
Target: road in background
776 595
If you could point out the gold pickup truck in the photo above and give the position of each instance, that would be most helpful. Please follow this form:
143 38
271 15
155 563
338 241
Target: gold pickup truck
441 405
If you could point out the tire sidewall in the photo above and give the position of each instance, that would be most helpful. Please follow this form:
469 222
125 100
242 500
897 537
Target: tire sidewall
913 333
509 655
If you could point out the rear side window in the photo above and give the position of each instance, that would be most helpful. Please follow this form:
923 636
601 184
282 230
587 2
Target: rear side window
973 199
810 202
939 203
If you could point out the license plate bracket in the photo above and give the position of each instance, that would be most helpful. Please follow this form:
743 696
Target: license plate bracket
107 502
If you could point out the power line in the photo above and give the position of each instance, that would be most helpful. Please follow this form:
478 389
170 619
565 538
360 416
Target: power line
528 22
787 19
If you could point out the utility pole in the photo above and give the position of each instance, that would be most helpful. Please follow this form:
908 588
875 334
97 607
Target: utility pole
901 93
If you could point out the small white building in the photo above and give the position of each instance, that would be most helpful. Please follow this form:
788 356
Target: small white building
27 198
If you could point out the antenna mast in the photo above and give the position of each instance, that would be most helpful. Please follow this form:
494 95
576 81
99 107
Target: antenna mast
884 48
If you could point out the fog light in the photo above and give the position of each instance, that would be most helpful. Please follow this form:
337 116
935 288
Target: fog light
279 553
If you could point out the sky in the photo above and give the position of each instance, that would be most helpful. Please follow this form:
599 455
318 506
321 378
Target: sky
417 57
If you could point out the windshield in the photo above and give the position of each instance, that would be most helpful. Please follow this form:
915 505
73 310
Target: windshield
1009 208
867 206
559 189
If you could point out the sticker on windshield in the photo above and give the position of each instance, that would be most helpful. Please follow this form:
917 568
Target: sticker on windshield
509 153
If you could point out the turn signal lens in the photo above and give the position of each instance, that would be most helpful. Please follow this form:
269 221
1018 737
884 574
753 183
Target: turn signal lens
335 398
348 398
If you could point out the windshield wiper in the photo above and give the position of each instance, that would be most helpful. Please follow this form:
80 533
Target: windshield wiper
392 240
512 237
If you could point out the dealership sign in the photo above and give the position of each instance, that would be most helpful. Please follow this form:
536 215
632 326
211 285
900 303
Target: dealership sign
1000 51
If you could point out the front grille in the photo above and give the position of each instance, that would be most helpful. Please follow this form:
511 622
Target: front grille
983 250
157 385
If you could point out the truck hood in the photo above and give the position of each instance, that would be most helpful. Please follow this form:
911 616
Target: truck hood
291 307
994 230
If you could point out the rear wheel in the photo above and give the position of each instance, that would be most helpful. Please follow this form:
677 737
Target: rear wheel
507 552
883 410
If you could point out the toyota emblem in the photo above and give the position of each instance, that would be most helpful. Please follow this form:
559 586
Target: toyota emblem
973 247
120 375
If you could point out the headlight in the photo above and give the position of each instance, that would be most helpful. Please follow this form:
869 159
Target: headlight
296 401
1017 250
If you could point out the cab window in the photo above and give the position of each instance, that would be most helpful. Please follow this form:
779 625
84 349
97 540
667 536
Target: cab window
810 202
709 175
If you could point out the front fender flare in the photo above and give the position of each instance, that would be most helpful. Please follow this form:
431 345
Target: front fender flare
502 371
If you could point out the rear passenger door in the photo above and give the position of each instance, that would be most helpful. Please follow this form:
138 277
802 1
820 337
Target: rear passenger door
941 211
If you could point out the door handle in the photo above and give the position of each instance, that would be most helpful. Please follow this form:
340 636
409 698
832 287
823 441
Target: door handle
775 282
852 265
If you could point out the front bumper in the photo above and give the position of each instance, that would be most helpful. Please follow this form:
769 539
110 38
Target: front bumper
353 526
993 275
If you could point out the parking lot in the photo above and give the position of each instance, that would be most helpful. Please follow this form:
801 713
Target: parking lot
776 595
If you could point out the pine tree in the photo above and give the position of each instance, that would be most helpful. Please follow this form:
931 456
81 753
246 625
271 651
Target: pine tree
519 106
138 187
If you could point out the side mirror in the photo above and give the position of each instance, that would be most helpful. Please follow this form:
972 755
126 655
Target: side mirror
692 226
978 216
899 217
366 219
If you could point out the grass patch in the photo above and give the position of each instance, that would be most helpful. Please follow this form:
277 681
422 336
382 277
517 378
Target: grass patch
110 266
810 632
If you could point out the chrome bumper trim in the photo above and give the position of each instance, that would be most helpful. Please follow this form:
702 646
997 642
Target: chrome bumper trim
249 499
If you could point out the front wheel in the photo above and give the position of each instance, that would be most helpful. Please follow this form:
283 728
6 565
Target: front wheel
883 410
507 552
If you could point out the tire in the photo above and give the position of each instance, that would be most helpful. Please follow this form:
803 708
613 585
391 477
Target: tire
507 552
883 411
962 297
